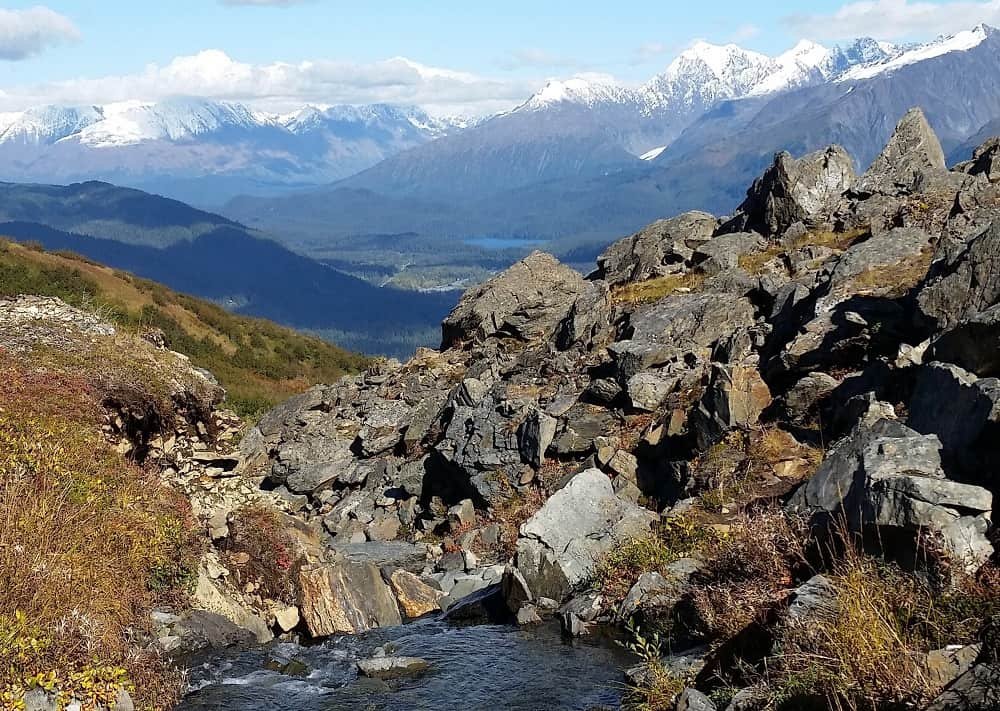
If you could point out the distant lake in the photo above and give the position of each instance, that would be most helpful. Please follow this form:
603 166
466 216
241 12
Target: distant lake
503 242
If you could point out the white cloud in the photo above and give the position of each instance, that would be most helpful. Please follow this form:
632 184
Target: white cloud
283 86
24 33
896 19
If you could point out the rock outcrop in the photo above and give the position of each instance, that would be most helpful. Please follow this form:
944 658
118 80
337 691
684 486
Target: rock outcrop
528 301
793 190
913 151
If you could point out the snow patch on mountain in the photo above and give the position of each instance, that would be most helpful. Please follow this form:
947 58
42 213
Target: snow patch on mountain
652 154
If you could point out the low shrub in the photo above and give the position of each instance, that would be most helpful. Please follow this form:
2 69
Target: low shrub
511 514
89 544
675 538
748 572
656 688
260 551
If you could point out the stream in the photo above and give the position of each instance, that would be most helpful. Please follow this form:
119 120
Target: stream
475 667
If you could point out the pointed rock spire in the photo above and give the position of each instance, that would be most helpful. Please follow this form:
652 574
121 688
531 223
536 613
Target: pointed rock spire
792 190
912 150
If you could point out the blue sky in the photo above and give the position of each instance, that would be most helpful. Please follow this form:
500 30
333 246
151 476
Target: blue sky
283 52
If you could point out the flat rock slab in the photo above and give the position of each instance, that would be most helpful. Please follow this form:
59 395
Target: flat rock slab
392 667
395 554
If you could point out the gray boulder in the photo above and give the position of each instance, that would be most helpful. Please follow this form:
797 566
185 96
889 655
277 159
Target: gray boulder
802 402
973 344
659 249
647 391
953 404
309 465
879 255
958 288
527 301
722 254
815 598
887 475
693 700
793 190
392 667
976 690
482 441
536 434
588 323
560 545
912 150
676 326
735 398
583 424
985 161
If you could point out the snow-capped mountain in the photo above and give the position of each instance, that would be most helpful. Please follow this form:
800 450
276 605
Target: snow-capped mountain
897 57
587 125
204 150
582 160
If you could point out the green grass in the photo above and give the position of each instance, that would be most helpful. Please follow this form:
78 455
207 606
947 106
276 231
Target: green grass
258 362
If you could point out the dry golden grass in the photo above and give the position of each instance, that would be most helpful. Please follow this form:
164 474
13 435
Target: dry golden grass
511 514
755 262
88 544
828 238
894 280
748 572
675 538
741 467
866 650
645 292
856 654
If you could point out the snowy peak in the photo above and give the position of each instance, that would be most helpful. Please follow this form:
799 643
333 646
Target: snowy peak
579 90
897 57
132 122
186 119
46 124
805 63
733 70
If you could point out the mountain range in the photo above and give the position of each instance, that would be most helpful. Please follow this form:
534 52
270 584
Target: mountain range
581 163
421 202
205 151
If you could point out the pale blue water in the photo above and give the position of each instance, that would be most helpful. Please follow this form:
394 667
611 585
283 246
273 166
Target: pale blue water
479 668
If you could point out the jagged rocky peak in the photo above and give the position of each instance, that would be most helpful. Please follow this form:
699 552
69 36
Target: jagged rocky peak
913 150
792 190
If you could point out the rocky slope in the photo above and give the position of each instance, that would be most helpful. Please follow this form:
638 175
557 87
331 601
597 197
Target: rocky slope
817 367
763 443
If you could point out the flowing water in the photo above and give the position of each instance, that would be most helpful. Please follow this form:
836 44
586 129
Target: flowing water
474 668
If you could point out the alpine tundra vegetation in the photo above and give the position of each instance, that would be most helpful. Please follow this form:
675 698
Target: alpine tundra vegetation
758 450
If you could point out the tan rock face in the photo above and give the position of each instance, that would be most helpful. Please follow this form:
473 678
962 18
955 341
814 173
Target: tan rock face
346 598
415 598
